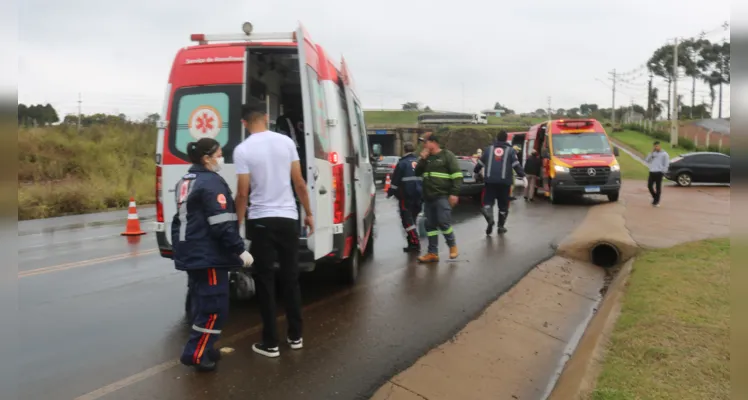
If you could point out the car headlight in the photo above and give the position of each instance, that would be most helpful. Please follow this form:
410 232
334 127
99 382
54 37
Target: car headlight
616 167
561 168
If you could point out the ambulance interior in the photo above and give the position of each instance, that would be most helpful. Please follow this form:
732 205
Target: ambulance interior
276 81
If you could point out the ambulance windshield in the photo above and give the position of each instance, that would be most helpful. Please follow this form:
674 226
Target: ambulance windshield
580 143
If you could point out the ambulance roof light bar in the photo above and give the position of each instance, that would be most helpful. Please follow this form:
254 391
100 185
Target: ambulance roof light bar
247 36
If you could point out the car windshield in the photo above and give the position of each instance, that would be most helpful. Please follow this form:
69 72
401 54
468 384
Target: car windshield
581 143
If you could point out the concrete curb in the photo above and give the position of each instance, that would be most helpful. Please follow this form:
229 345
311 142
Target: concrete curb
580 373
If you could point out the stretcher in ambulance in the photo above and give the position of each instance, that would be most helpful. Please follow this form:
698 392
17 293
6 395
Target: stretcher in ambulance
296 80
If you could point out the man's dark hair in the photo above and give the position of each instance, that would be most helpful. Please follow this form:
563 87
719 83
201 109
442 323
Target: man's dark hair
408 147
501 136
253 112
656 142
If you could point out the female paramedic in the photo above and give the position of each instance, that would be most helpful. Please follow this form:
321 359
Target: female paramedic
206 242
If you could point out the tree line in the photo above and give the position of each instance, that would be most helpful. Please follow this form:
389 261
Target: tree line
37 115
700 60
45 115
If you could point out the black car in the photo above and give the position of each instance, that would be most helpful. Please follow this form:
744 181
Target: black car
472 183
701 167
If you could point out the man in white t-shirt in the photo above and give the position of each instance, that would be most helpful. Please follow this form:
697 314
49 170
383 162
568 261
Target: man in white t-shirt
268 172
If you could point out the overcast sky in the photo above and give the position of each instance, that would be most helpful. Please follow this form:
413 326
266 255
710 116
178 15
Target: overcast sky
519 53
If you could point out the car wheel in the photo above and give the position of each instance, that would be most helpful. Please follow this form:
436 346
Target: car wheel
684 179
613 197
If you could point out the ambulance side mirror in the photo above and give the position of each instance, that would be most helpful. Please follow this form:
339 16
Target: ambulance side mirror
616 152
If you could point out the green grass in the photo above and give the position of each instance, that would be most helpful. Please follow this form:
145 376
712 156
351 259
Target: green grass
631 168
642 143
672 340
61 171
411 117
391 117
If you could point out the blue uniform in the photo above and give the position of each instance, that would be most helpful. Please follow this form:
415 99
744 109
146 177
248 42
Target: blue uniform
407 188
498 160
206 242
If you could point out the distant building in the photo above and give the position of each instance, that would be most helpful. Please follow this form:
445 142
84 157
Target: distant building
491 112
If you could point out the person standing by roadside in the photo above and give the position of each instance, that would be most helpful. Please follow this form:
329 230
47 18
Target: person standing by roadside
442 178
268 172
658 162
207 245
533 166
407 189
500 161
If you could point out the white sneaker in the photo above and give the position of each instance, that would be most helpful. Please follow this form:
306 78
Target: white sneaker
296 344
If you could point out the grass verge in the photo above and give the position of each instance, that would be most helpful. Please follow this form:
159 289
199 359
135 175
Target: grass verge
62 171
631 168
672 340
642 143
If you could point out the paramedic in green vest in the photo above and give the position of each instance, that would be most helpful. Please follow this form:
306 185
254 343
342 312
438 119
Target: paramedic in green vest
442 178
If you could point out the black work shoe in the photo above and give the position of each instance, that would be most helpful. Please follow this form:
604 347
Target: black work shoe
501 230
296 344
214 354
412 249
206 365
489 229
266 351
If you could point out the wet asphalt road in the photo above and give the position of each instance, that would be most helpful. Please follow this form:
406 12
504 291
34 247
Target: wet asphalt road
103 318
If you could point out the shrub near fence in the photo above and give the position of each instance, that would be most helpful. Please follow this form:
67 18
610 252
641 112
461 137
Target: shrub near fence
684 143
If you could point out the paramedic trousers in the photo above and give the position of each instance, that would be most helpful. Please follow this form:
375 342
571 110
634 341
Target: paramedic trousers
409 210
271 237
499 193
438 215
209 299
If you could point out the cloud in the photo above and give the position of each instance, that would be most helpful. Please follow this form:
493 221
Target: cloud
428 51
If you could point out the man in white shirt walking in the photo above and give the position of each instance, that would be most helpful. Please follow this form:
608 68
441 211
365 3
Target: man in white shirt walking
268 173
658 162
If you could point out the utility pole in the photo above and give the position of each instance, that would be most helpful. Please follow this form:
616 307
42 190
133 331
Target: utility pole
80 101
674 121
613 109
649 97
550 110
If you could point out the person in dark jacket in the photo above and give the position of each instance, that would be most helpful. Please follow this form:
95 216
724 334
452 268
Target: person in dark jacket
442 178
206 242
499 160
407 189
533 166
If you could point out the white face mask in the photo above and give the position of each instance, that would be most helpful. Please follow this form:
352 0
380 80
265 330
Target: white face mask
218 165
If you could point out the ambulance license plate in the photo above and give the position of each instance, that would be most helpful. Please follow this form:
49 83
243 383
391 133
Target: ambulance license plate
592 189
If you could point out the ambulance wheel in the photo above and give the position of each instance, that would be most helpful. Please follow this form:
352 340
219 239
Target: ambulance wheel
369 250
351 265
554 196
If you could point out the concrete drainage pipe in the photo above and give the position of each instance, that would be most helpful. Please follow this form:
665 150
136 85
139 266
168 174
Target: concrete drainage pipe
604 254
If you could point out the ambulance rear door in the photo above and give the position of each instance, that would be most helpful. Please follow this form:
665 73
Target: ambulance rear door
364 173
317 144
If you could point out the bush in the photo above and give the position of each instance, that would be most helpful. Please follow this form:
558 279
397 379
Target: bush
65 172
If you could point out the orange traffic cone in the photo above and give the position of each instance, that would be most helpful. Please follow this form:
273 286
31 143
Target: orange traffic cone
133 223
387 183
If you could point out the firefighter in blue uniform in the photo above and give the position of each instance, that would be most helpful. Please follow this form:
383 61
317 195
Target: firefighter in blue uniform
499 160
206 241
406 187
